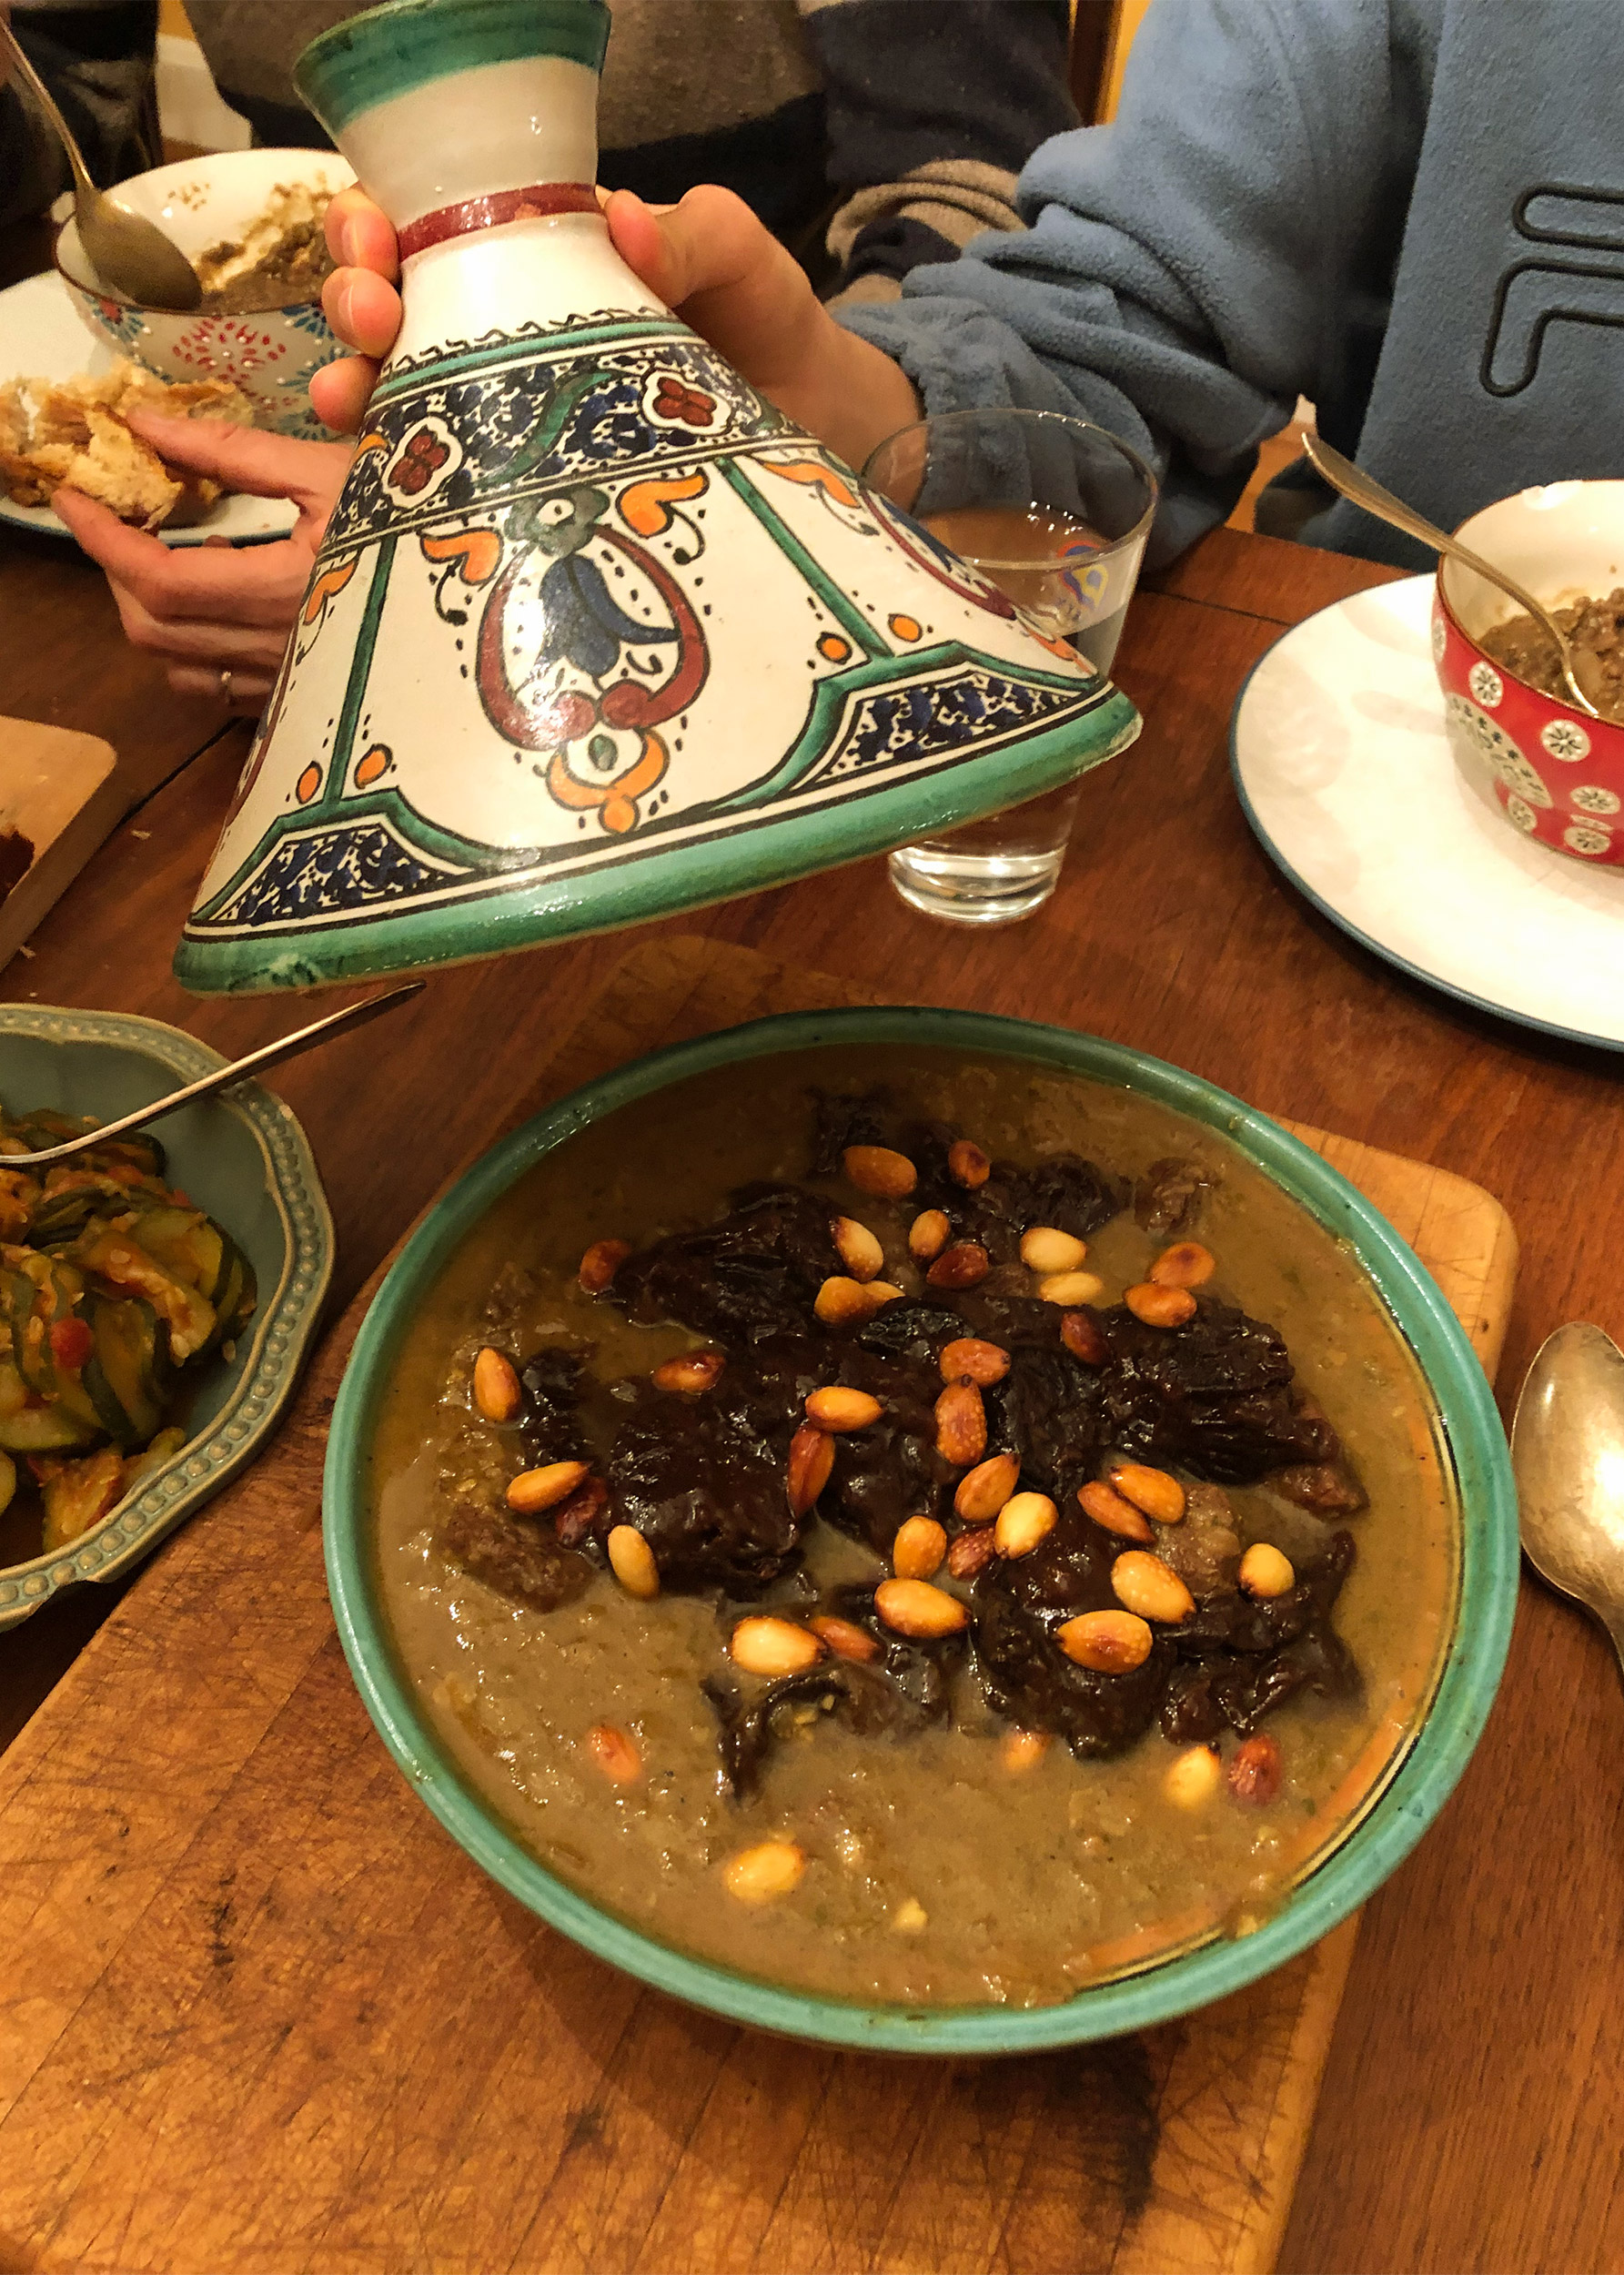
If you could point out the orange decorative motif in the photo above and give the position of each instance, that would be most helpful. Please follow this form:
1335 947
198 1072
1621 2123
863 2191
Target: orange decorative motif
477 554
833 648
308 783
327 587
616 800
807 473
906 627
646 506
377 762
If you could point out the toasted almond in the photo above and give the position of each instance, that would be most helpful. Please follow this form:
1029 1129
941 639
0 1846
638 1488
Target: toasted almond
1045 1248
859 1252
811 1458
573 1519
1022 1750
632 1561
614 1753
532 1491
967 1164
1071 1288
968 1359
840 1301
961 1425
962 1266
1084 1338
917 1552
1143 1584
845 1640
836 1408
1193 1777
1265 1572
910 1917
601 1261
496 1391
1117 1515
1159 1307
769 1869
1025 1520
881 1292
928 1235
1255 1769
695 1371
913 1607
972 1553
1152 1490
982 1494
1110 1642
1187 1264
774 1647
878 1170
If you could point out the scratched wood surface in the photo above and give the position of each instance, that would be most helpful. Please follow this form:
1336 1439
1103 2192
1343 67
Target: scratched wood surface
272 2020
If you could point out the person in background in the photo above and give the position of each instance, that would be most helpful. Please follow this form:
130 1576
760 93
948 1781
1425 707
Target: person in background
861 136
96 58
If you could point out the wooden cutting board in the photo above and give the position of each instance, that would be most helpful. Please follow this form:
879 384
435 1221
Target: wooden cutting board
261 2015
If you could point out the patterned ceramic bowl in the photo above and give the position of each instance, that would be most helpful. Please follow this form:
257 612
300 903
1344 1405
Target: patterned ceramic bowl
203 202
1558 775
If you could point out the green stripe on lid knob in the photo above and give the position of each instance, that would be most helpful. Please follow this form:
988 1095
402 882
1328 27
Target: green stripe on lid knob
390 50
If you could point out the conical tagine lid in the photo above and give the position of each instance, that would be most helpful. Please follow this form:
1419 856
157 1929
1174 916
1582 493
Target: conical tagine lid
595 632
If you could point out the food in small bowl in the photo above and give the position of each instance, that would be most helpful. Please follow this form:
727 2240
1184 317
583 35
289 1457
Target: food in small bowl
922 1531
1558 772
75 433
250 222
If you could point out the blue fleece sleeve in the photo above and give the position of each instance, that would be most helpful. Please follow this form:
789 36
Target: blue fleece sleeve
1174 281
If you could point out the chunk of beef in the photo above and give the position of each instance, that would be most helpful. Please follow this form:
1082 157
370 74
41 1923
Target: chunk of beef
1167 1198
515 1555
1330 1488
1019 1605
1214 1395
754 1272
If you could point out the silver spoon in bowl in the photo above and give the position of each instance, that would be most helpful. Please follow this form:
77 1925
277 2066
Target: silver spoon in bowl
292 1046
1359 490
1567 1457
130 256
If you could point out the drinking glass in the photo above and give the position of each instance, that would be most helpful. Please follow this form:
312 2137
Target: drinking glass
1056 512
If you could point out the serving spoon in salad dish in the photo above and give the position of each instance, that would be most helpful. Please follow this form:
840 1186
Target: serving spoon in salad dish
294 1046
1567 1455
1358 489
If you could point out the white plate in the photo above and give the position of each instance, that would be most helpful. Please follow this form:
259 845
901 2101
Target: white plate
42 336
1343 767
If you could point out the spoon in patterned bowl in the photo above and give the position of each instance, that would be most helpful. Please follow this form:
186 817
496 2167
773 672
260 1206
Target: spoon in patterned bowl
1567 1456
1360 490
304 1038
130 256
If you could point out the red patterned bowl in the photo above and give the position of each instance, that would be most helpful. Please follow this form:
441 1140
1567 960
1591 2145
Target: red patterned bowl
203 202
1559 773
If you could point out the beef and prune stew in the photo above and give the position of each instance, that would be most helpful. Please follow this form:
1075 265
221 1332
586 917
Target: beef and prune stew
1595 634
914 1528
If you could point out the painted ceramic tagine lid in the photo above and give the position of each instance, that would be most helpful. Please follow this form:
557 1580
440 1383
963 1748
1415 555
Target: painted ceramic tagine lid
595 634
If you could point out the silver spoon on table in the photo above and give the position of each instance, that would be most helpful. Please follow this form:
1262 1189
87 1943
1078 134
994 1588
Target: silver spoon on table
1567 1456
304 1038
1360 490
130 256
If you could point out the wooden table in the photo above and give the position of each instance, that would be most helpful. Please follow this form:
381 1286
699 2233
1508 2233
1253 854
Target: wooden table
1474 2103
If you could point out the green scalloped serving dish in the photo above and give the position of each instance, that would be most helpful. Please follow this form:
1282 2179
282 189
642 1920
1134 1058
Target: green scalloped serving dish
1469 1429
244 1157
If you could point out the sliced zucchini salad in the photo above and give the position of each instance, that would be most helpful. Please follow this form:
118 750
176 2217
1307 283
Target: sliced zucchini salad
112 1285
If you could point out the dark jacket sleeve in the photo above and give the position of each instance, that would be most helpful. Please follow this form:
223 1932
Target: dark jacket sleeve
96 58
932 109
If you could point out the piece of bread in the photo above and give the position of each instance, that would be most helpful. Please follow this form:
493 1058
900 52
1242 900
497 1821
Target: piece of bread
72 432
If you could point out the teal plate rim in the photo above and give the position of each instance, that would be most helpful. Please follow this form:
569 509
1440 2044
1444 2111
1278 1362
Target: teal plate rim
1412 1798
268 1372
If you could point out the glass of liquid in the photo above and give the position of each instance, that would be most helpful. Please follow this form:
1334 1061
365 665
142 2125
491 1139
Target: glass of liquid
1056 512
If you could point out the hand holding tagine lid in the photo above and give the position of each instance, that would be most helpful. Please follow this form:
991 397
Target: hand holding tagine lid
595 632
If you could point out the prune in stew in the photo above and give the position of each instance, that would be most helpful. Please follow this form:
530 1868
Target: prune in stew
705 1487
753 1272
1167 1198
891 1470
1050 1410
521 1559
1214 1396
549 1421
1020 1603
1064 1190
910 1330
840 1121
1239 1660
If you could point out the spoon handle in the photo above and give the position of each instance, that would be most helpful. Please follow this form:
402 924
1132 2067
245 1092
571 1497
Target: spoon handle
47 103
1359 490
302 1039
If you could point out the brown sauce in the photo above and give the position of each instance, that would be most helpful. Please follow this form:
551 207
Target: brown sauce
1595 633
935 1874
